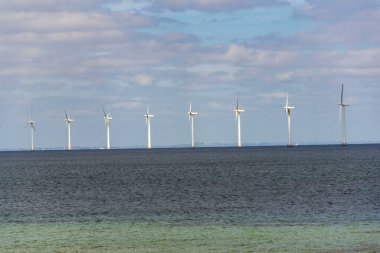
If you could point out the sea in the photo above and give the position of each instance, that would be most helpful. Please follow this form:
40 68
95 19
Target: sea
250 199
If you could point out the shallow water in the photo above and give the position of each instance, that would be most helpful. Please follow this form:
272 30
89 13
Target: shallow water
146 237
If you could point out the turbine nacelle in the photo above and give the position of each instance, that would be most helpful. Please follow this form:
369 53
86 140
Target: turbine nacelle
287 107
67 118
107 120
191 113
31 123
239 110
107 115
148 117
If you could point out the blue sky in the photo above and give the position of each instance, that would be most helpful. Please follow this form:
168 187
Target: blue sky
125 55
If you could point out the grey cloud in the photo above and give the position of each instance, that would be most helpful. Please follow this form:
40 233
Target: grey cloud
337 9
69 21
53 5
211 5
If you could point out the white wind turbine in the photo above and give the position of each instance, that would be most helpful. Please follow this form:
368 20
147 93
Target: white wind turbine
68 121
238 111
147 121
31 123
287 112
191 119
342 117
107 121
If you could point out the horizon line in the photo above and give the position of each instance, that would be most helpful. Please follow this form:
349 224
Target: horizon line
179 146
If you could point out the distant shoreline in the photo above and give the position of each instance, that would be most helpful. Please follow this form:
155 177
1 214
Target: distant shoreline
200 146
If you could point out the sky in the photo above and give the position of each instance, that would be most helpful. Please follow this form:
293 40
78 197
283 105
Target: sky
85 55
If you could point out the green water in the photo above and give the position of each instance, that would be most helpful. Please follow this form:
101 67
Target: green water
147 237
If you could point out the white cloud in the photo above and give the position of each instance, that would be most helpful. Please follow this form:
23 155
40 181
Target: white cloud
283 76
84 36
246 55
143 80
132 105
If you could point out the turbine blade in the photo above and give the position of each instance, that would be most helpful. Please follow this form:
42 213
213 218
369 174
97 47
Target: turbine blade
104 112
190 107
31 113
341 95
237 103
287 100
67 117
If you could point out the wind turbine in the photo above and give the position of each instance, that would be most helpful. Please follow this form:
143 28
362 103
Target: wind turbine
238 111
342 117
147 121
287 112
68 124
31 123
191 119
107 121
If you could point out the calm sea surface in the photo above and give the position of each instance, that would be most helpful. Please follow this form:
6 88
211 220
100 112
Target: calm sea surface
204 186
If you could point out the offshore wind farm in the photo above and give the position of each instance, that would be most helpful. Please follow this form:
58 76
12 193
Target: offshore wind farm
191 115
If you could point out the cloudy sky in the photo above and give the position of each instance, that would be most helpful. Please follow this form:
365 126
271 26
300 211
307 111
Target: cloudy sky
83 55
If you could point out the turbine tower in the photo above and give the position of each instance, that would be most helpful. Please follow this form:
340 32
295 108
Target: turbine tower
238 111
342 117
287 112
31 123
191 119
107 121
147 122
68 124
